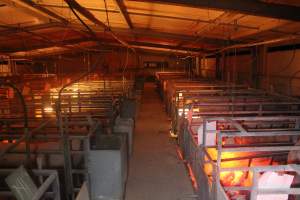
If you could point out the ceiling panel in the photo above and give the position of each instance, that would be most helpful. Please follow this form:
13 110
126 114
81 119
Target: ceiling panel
172 10
148 16
165 25
87 4
289 27
12 16
96 7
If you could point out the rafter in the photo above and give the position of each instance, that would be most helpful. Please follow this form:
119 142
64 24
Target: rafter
173 36
182 18
36 9
124 12
45 51
87 14
12 30
147 45
62 43
88 45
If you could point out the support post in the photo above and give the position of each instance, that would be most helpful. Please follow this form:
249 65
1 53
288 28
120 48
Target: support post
259 54
218 67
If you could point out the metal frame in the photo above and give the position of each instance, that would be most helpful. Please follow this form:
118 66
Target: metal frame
91 104
52 181
241 110
228 101
198 156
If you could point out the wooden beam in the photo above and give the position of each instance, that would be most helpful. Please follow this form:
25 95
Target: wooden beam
124 12
16 30
249 7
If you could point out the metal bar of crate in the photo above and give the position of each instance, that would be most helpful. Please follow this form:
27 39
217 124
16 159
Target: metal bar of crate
52 180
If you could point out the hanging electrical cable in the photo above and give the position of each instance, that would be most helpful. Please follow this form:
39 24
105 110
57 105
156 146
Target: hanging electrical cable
86 13
81 21
125 67
126 62
106 11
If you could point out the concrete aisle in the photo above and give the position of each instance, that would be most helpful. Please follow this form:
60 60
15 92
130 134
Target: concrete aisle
155 171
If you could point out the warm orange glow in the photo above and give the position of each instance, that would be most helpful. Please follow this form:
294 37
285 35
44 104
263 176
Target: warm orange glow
7 141
236 178
232 178
179 153
48 109
192 176
190 170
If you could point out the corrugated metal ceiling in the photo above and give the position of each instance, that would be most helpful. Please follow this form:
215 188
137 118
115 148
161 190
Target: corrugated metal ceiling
153 23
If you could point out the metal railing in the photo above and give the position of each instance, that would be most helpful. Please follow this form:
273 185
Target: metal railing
273 146
50 187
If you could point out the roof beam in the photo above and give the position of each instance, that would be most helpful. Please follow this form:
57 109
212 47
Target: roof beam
87 14
168 48
40 16
37 9
250 7
124 12
158 48
182 18
177 37
54 50
162 17
37 36
43 38
263 28
12 30
62 43
87 45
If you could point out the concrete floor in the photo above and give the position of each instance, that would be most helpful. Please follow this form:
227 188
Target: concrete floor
155 172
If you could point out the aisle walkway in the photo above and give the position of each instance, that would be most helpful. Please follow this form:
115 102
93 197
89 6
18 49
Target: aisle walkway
155 172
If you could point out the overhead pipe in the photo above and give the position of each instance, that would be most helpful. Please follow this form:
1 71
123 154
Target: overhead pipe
239 46
165 49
